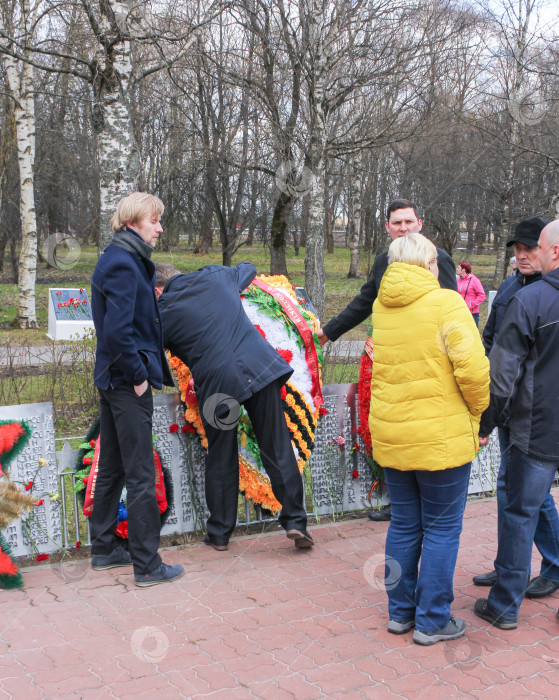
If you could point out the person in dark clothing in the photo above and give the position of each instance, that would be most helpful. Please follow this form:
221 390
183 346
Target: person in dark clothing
206 327
402 218
546 537
129 361
525 384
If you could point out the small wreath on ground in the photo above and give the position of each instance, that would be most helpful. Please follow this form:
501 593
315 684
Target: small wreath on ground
87 463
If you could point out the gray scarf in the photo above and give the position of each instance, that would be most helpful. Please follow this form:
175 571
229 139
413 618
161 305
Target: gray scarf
132 243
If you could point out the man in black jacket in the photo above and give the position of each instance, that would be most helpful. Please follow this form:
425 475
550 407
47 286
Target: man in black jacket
546 537
205 326
129 361
525 383
402 218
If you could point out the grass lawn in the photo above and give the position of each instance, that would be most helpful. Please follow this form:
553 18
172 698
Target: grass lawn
339 289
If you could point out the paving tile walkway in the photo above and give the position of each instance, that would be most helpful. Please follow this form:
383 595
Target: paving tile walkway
265 620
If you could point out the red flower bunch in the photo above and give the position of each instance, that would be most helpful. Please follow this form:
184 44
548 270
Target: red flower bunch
173 428
287 355
188 429
7 566
354 474
42 557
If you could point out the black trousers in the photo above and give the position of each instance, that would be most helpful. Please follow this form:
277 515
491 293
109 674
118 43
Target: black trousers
265 411
126 455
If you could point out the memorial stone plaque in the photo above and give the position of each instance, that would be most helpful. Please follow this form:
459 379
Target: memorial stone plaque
69 313
45 529
184 458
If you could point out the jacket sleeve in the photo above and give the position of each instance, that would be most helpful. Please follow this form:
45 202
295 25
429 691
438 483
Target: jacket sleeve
466 354
507 357
120 288
479 292
447 270
361 306
245 273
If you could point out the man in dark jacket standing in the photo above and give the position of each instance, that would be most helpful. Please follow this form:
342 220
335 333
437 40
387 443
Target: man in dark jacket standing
525 382
130 360
402 218
206 327
546 537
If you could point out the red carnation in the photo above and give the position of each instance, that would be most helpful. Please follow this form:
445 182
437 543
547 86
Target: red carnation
92 444
354 474
84 301
82 290
60 304
260 331
29 486
78 544
322 411
39 503
87 460
287 355
356 447
85 479
174 428
283 392
58 292
41 557
187 429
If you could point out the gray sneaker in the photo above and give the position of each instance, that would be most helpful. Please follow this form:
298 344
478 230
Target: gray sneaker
453 630
400 627
163 574
118 557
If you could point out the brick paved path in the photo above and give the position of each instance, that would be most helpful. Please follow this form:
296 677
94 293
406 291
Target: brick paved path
265 620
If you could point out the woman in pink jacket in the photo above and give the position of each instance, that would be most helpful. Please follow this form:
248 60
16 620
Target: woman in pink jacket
470 288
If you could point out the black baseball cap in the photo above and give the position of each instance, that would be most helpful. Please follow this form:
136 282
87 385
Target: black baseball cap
528 231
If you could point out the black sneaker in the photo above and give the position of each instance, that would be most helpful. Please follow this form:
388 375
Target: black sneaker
485 579
302 538
382 514
485 611
118 557
162 574
453 630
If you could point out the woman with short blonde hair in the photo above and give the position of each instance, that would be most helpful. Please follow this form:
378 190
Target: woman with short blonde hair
429 388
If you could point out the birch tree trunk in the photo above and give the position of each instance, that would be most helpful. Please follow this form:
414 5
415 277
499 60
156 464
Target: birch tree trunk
119 161
19 76
314 251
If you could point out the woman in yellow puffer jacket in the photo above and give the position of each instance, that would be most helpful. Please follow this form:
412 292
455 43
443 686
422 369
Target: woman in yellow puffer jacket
430 386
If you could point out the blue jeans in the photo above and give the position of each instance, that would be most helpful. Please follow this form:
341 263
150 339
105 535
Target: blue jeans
546 537
427 510
527 484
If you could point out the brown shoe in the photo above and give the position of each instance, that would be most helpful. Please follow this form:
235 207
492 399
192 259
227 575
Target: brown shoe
218 547
302 538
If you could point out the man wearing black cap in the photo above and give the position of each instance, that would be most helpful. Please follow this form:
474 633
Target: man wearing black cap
546 538
525 384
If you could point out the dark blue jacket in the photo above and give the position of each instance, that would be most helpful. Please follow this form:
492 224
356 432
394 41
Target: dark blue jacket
205 325
524 373
507 290
361 306
127 322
